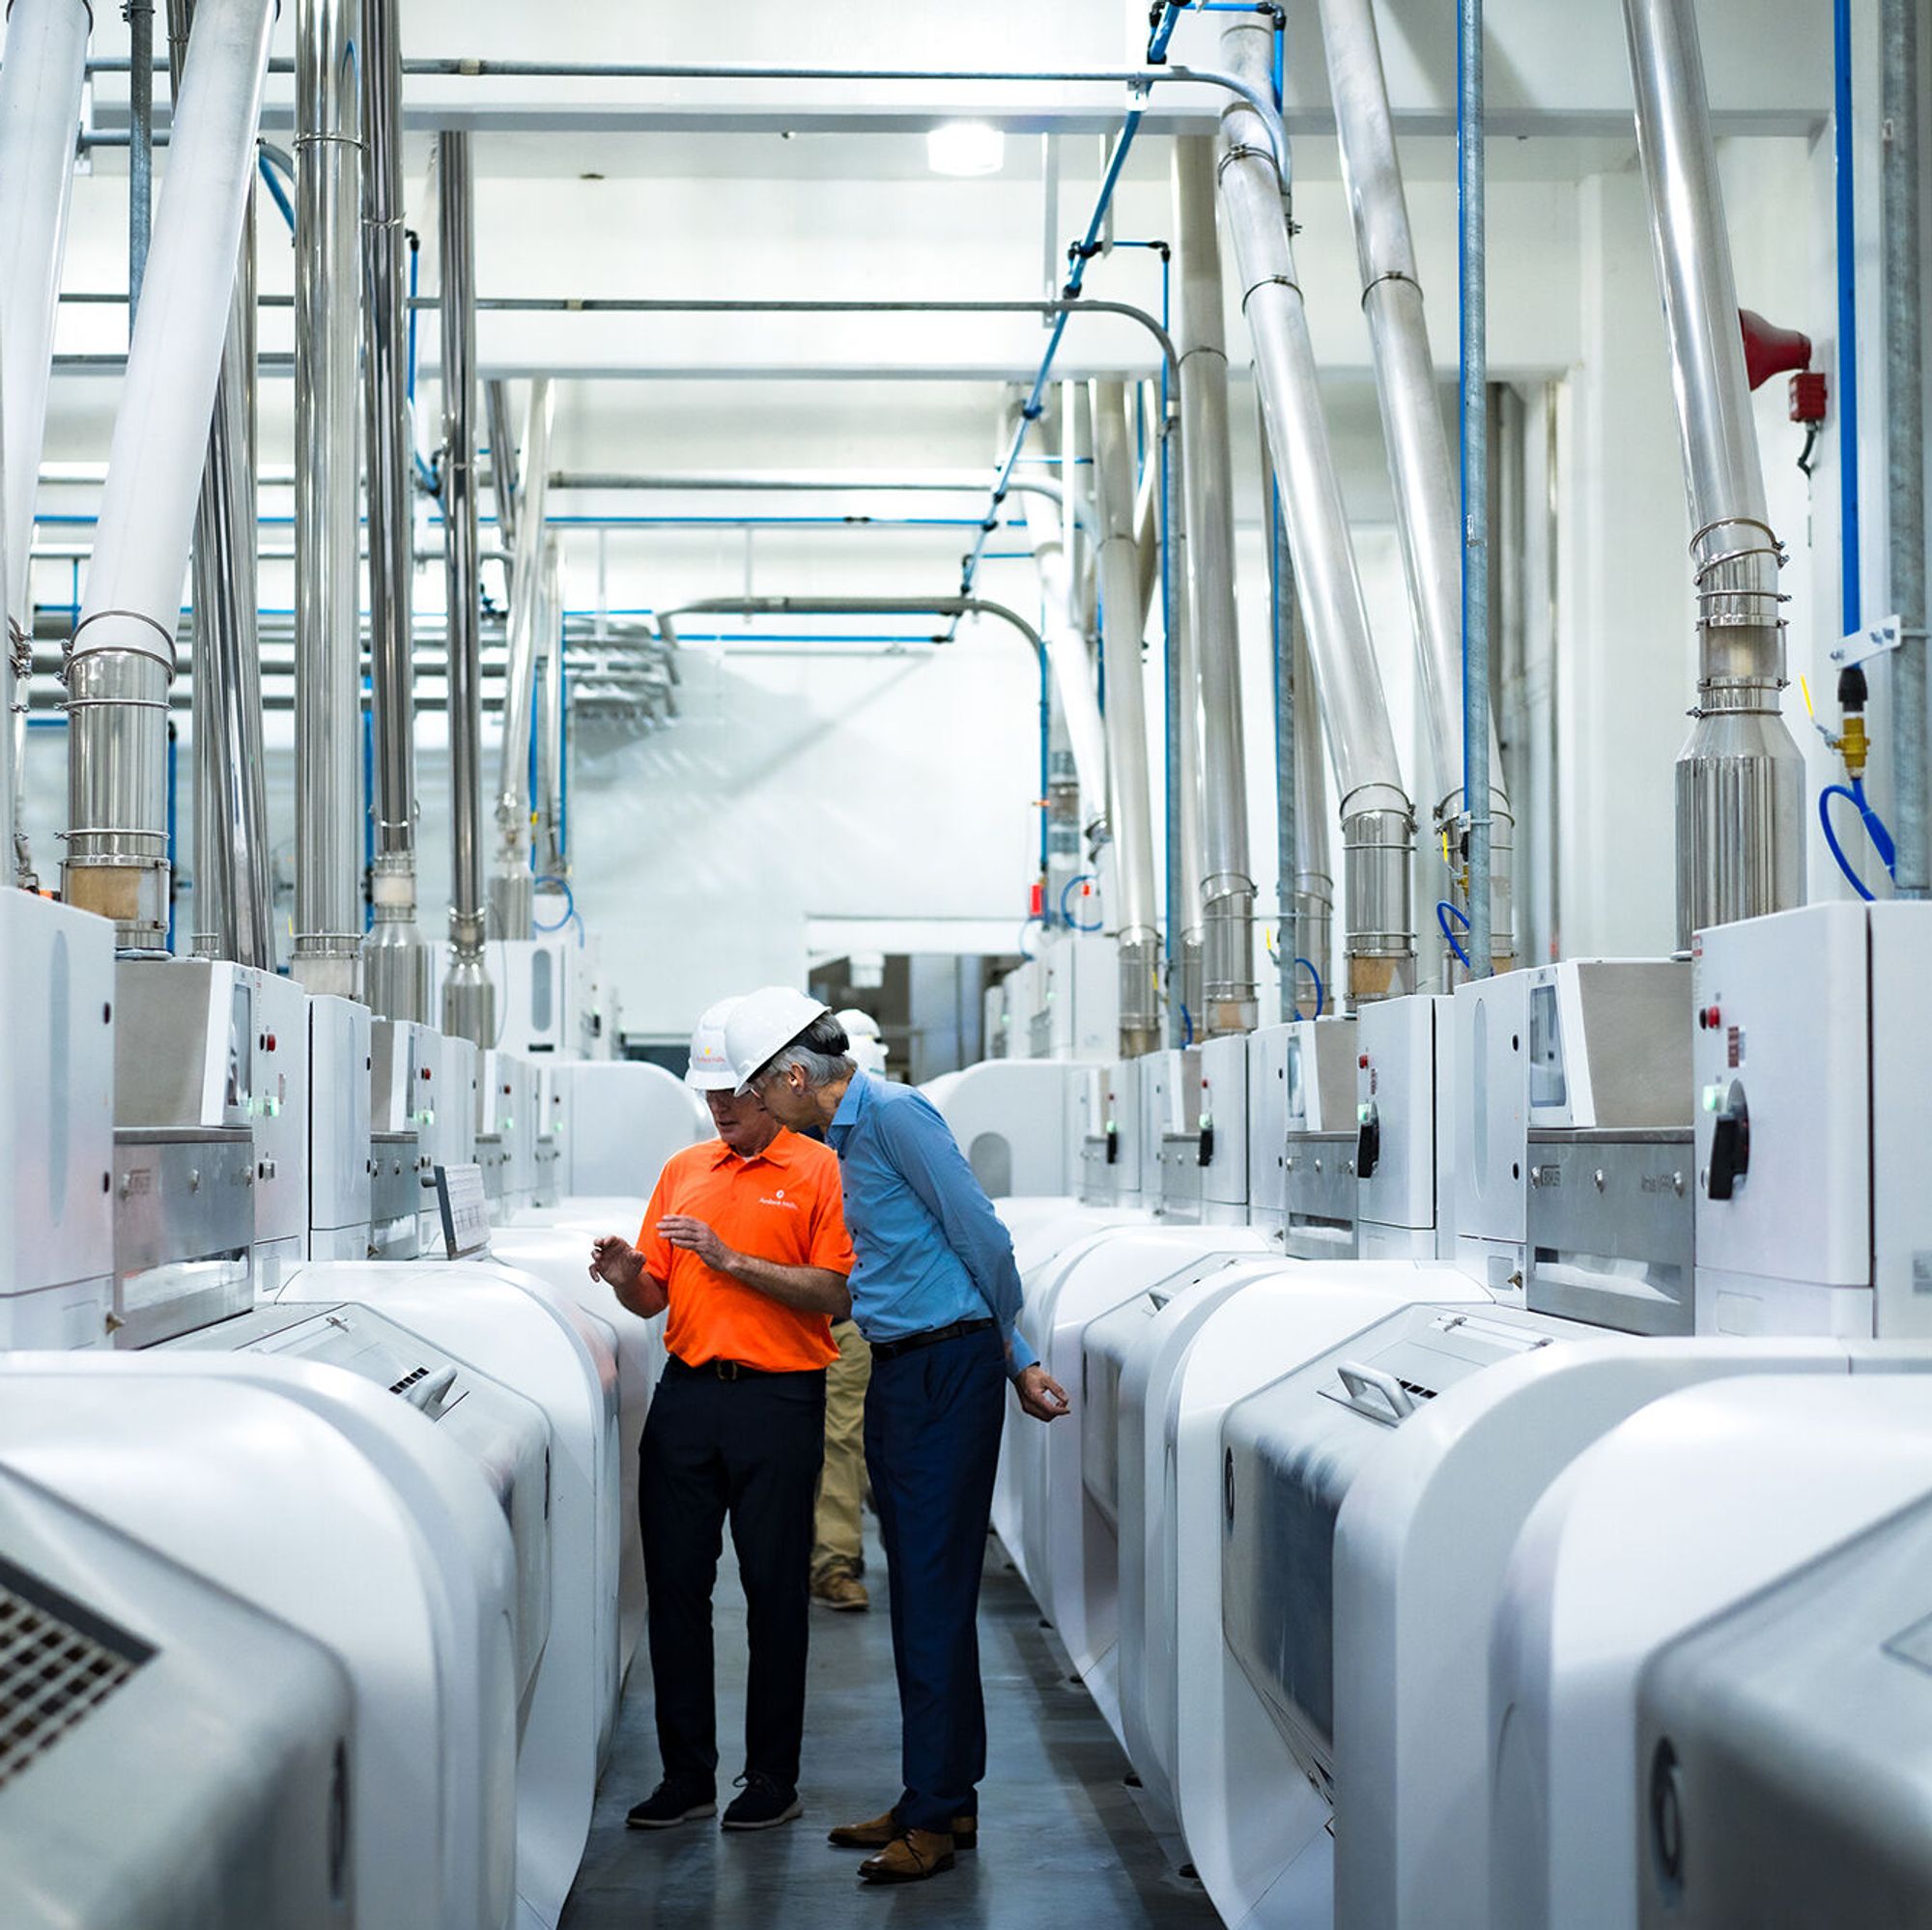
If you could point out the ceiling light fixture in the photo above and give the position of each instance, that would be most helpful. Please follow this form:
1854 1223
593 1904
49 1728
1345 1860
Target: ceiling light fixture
965 147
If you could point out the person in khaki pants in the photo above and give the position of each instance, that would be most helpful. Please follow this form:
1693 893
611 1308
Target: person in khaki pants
837 1555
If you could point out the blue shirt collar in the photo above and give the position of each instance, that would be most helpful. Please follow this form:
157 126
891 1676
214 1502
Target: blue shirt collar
852 1106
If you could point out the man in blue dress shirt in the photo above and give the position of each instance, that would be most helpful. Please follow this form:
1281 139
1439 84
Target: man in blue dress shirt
937 1294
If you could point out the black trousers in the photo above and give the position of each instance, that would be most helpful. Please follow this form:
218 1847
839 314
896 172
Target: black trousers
932 1443
747 1449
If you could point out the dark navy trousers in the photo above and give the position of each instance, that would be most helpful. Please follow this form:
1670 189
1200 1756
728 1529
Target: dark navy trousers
932 1443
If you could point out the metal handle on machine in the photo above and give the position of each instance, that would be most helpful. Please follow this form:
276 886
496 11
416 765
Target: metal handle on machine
427 1394
1362 1381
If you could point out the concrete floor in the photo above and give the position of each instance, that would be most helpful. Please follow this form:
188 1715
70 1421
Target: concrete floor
1061 1841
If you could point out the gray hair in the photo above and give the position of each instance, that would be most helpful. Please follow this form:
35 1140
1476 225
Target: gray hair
821 1052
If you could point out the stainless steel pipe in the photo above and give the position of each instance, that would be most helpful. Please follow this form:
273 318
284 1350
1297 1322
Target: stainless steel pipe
1905 439
327 956
1131 814
40 85
122 654
1226 883
233 905
1377 826
395 959
1740 816
1315 992
504 485
468 997
511 885
1427 497
1079 703
552 860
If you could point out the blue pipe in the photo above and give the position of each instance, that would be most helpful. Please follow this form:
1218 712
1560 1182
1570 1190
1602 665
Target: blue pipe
1875 830
1848 319
174 802
1033 407
275 187
368 790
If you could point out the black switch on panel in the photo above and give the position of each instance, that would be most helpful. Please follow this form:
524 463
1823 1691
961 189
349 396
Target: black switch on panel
1730 1146
1369 1145
1113 1146
1206 1155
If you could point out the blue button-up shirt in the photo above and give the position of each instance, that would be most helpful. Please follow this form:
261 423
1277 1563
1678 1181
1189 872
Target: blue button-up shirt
931 1249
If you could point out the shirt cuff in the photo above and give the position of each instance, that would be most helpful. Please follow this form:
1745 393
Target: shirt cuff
1019 1356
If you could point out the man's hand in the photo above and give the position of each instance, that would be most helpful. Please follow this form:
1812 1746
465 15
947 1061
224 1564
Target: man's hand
1041 1395
695 1236
616 1260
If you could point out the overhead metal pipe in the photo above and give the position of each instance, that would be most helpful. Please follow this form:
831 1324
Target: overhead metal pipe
1121 640
40 84
1181 706
1905 438
140 17
233 905
395 959
1227 882
122 654
1378 828
468 997
1740 816
328 624
511 883
1427 503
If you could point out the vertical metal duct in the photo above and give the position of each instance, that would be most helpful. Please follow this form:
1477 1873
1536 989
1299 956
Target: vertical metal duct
1740 819
1182 694
329 610
1313 883
1427 500
1227 886
1131 812
121 658
512 883
1067 648
40 85
468 997
395 960
551 861
504 484
234 913
1378 831
1905 438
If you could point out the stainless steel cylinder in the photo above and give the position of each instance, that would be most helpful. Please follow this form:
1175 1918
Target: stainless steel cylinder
1752 792
329 610
1378 847
1355 711
1226 884
1126 723
468 997
395 959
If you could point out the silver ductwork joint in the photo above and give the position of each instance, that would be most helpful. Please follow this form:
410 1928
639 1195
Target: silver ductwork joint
327 956
512 883
121 658
1376 820
468 997
1740 798
395 959
1426 493
1131 814
1226 883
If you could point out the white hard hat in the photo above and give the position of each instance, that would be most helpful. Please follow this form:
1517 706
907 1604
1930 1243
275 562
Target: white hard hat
763 1023
710 1068
868 1044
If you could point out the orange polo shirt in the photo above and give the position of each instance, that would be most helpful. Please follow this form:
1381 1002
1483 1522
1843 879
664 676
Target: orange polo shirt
783 1204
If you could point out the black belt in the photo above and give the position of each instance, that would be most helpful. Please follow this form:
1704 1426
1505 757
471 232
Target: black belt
729 1369
931 1337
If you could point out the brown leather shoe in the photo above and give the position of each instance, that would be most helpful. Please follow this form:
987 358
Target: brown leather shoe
881 1829
911 1857
839 1588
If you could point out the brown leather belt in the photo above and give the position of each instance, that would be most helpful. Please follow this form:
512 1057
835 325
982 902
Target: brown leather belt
931 1337
722 1370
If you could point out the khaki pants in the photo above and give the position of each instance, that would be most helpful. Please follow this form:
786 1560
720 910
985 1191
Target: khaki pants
842 1482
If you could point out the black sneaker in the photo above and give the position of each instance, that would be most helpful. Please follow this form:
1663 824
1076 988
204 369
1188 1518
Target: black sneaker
765 1804
670 1803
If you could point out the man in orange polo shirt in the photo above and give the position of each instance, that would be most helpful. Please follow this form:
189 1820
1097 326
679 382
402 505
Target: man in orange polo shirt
745 1243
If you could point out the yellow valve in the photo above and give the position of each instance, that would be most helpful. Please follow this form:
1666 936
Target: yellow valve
1853 746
